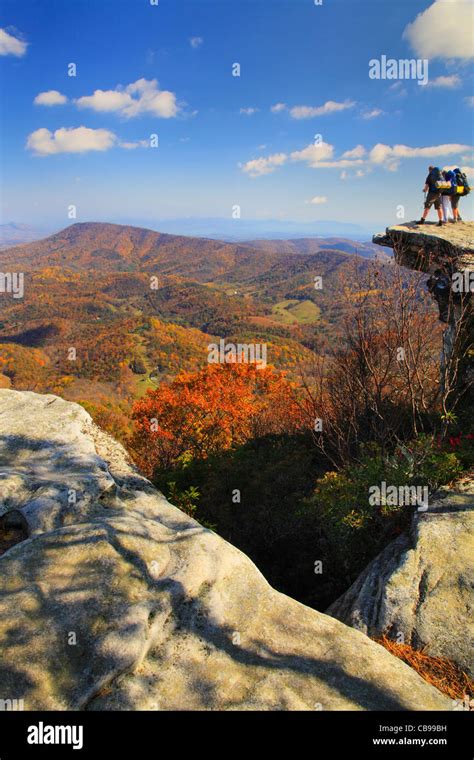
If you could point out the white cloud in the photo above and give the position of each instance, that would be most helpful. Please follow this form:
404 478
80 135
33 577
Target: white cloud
10 45
314 153
260 166
321 156
340 163
318 200
50 98
381 152
389 156
357 152
248 111
331 106
373 114
196 42
450 82
70 140
470 100
140 97
278 107
444 30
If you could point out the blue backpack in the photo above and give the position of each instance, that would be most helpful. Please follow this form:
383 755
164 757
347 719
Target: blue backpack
450 177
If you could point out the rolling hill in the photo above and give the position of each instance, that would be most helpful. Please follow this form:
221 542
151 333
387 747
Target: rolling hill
139 306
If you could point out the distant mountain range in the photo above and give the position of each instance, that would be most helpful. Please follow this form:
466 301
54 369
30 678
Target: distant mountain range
113 247
246 229
88 286
13 233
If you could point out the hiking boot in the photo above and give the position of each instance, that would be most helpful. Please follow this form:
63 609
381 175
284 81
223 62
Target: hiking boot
422 221
440 223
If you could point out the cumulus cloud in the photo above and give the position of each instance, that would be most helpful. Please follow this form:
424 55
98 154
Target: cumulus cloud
248 111
321 156
11 45
318 200
260 166
314 153
450 82
140 97
50 98
278 107
196 42
389 156
70 140
373 114
309 112
357 152
444 30
381 152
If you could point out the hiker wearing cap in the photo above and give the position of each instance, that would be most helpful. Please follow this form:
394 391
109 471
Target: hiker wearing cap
432 182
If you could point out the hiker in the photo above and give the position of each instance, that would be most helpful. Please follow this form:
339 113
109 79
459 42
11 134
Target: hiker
446 196
433 191
461 187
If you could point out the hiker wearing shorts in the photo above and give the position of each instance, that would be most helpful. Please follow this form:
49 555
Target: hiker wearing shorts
454 205
433 197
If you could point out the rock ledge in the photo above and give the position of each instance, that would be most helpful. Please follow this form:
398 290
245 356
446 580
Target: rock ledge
119 601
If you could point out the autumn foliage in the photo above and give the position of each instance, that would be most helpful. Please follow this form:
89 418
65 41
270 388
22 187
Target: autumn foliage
210 411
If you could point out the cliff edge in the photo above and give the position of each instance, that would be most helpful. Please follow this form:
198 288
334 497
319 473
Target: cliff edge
111 598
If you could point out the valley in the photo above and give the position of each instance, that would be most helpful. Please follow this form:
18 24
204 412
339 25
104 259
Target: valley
139 306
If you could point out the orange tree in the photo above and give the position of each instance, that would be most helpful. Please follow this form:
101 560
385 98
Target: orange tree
204 413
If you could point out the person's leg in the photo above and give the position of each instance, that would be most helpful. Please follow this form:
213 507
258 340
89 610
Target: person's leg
454 206
427 207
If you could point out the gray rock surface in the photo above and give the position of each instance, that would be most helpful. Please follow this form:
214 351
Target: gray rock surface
421 585
117 600
428 247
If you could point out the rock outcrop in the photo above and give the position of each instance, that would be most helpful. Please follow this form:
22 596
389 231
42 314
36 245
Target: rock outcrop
421 585
117 600
427 247
447 254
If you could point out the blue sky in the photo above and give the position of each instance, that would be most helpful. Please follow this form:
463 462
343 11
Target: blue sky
226 140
